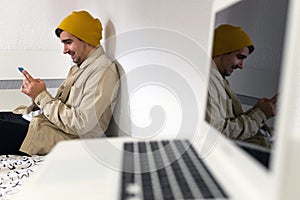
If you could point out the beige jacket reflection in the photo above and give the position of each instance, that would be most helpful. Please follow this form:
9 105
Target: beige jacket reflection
225 113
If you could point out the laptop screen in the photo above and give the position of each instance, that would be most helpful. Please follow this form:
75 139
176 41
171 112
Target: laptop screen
265 23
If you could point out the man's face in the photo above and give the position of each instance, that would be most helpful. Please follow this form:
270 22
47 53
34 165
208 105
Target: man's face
76 48
227 63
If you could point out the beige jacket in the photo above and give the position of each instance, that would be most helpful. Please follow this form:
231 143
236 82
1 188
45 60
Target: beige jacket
82 107
225 113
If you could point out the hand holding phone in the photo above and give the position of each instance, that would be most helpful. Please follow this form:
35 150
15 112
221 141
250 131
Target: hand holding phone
31 86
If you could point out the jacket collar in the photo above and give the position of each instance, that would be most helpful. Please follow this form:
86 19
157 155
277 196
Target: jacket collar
96 53
215 71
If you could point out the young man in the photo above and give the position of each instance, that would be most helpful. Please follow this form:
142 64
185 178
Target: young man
84 102
224 111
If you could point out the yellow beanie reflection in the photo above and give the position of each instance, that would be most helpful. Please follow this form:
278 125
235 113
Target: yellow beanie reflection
228 38
84 26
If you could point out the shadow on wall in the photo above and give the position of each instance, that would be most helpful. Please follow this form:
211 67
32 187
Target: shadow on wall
120 124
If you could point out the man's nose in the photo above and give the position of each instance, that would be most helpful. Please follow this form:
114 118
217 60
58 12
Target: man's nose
241 65
65 50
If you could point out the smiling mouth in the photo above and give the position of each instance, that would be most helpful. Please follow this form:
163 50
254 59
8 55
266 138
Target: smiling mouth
72 54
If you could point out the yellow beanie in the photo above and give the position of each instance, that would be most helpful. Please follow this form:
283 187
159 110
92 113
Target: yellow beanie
83 25
230 38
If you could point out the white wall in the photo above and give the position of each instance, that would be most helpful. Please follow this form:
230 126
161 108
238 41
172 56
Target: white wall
162 38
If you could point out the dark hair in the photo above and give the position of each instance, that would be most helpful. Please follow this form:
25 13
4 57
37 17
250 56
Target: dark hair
251 49
58 31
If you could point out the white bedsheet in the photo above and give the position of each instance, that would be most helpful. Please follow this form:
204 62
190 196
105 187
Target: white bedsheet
15 171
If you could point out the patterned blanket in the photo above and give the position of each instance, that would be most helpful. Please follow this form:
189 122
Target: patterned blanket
15 171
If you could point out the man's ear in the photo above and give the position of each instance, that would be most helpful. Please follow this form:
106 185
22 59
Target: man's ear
216 59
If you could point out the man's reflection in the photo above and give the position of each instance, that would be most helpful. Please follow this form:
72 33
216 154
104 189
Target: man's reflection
224 111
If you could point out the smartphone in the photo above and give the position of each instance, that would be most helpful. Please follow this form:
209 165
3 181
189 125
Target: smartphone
21 69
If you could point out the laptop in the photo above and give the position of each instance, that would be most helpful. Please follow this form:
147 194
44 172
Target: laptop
153 163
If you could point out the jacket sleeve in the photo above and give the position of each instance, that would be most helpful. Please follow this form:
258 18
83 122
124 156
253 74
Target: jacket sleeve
92 102
220 114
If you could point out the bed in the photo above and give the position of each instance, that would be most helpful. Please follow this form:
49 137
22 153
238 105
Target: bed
15 171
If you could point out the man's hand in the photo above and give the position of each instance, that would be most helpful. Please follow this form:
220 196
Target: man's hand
32 87
268 106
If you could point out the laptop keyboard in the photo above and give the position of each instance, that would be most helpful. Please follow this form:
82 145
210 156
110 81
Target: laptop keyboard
166 170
